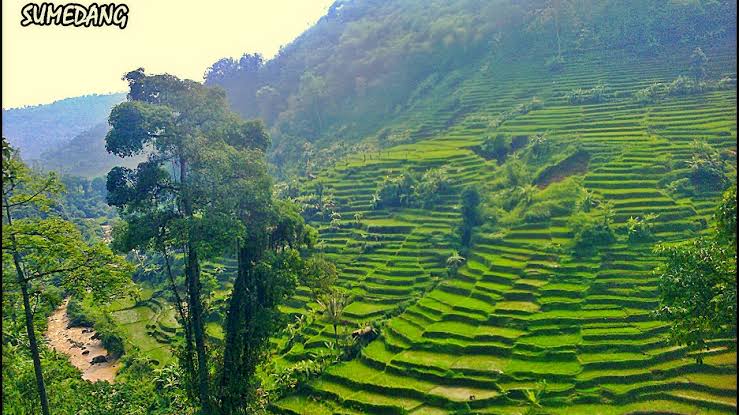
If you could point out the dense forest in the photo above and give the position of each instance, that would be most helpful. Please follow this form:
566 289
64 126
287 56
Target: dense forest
467 206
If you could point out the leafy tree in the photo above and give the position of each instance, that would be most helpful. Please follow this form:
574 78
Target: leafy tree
47 250
319 276
697 282
171 119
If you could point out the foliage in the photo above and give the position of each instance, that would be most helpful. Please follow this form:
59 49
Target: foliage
454 262
46 250
432 184
640 228
726 216
681 187
707 169
597 94
411 189
681 86
592 229
698 284
319 275
496 147
333 304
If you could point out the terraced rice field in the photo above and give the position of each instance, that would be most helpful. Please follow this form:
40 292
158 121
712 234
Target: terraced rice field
522 309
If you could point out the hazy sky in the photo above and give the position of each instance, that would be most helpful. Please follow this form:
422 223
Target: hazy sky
182 37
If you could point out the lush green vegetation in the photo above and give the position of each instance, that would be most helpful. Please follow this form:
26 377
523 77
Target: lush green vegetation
482 207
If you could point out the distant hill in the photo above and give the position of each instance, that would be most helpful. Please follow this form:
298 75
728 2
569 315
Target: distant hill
85 155
36 129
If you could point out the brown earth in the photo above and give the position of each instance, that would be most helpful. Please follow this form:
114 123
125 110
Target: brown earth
78 343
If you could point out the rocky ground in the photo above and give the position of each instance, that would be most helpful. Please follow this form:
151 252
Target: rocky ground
82 345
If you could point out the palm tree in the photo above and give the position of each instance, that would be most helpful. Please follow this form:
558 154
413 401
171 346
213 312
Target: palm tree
454 262
333 310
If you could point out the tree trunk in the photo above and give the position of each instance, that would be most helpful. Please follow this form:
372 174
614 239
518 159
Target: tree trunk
33 344
195 306
196 318
184 320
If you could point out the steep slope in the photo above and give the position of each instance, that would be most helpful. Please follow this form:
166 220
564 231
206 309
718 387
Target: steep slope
40 128
526 306
390 68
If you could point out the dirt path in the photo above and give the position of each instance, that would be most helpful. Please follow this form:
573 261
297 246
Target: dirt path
79 345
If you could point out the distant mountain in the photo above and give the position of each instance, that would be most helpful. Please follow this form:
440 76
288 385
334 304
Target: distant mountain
36 129
85 155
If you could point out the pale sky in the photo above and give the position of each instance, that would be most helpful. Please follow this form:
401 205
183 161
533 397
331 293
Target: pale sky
42 64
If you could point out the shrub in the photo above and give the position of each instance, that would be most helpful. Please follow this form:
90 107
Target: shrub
496 147
515 173
540 146
470 213
538 213
698 64
395 191
597 94
592 230
681 187
640 228
707 170
433 183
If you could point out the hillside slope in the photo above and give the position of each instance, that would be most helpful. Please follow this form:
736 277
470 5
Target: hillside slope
40 128
377 73
527 305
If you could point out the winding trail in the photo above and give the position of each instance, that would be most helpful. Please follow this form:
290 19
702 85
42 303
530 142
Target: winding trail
80 345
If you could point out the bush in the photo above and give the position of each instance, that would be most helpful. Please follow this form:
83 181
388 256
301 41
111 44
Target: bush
538 213
77 318
681 187
707 170
395 191
640 228
496 147
433 183
597 94
592 230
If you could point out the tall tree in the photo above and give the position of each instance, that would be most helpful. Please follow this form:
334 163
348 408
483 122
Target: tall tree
171 120
44 249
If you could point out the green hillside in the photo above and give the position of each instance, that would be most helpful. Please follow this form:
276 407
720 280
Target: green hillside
495 182
525 306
